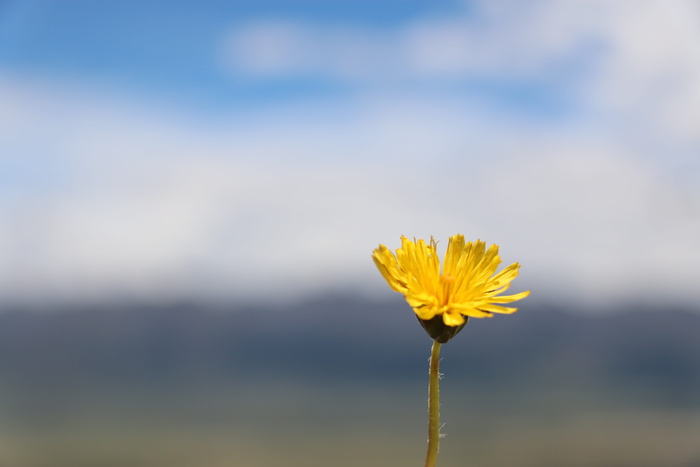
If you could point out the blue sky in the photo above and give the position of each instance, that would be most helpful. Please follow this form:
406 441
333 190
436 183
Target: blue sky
156 150
176 51
172 49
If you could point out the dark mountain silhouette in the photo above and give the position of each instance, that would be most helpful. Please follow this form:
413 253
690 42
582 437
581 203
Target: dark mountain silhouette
339 338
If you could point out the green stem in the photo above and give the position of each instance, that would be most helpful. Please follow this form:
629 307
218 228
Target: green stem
433 407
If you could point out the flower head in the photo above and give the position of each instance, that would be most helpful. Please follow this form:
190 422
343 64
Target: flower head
444 298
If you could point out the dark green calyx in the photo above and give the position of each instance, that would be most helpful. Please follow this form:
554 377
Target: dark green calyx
438 330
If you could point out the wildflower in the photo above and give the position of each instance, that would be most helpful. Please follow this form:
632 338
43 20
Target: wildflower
444 298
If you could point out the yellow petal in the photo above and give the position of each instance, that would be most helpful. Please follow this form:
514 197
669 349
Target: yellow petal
425 312
452 319
386 263
473 312
505 276
455 248
497 309
509 298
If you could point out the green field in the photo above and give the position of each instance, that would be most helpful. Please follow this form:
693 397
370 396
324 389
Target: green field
288 424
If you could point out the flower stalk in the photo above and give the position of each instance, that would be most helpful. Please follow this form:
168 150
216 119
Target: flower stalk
433 407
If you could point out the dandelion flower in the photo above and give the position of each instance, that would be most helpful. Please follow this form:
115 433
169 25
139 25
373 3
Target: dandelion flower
443 298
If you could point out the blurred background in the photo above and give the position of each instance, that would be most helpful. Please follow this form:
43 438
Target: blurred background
190 193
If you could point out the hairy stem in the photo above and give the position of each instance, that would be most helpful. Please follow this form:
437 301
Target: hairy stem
433 407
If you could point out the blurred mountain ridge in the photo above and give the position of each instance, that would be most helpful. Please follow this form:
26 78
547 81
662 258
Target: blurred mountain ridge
343 338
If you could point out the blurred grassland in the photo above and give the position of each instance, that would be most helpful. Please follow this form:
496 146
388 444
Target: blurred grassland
287 423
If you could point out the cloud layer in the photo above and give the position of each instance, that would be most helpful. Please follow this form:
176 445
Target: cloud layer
108 195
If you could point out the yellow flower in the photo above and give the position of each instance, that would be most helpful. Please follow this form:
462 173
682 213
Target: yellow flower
466 286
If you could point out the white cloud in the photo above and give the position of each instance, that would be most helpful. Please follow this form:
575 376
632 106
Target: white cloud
652 69
636 58
612 225
153 208
282 47
138 201
490 38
